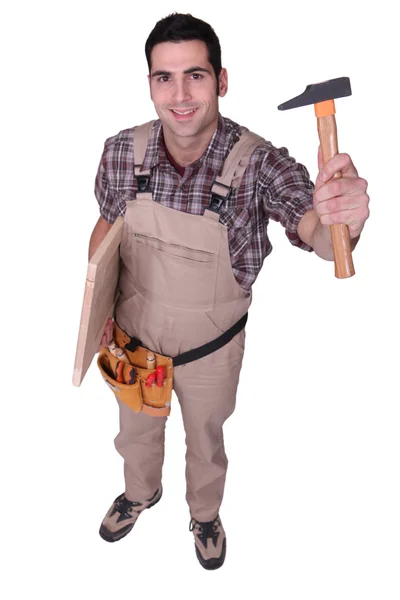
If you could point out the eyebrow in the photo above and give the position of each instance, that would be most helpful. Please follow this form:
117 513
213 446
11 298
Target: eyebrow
187 72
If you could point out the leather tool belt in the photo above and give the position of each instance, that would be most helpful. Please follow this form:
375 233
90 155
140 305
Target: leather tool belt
144 389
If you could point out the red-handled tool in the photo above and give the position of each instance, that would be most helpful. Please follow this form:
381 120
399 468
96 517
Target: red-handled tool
150 379
160 376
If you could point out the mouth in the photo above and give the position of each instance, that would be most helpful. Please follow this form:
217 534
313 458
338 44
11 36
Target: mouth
183 114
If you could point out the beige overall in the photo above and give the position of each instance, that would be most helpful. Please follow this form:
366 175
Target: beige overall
178 291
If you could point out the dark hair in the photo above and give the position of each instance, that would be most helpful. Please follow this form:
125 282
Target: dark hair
179 28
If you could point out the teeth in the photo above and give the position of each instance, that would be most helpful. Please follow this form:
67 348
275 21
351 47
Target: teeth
187 112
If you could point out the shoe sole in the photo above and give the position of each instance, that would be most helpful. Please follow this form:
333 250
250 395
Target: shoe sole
212 563
108 536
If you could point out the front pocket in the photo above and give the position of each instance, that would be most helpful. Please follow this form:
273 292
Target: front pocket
175 249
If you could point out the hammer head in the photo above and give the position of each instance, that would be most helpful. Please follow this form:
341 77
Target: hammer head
320 92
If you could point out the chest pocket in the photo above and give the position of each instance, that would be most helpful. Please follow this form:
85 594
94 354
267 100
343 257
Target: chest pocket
184 252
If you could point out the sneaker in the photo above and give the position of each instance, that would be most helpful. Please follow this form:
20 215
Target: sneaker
209 542
122 516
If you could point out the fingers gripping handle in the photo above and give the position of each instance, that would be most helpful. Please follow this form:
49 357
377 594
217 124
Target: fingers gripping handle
339 232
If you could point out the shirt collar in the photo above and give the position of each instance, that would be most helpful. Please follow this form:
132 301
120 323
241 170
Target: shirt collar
156 155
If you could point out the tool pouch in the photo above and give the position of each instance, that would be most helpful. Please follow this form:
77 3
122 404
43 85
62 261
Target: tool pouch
153 400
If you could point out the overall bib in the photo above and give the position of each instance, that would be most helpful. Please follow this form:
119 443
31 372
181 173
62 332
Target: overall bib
177 292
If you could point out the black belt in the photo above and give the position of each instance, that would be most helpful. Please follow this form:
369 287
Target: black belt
200 351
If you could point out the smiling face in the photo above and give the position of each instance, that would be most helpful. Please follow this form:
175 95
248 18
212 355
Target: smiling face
183 87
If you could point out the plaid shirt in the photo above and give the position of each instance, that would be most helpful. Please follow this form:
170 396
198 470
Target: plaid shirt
274 187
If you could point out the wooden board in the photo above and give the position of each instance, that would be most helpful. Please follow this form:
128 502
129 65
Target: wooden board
100 295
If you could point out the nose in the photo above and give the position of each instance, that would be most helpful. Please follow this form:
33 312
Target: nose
182 91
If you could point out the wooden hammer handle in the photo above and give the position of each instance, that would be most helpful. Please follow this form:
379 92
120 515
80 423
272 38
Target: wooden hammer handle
339 233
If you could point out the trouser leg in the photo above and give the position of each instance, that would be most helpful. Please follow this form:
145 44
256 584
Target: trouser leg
141 444
206 390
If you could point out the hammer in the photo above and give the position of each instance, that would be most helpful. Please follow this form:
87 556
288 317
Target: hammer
323 96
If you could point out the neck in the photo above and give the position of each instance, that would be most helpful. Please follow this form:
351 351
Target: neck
186 150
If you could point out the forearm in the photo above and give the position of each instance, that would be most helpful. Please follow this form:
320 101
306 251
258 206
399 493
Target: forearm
100 231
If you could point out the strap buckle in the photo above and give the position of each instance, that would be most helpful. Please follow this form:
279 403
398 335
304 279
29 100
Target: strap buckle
142 179
218 199
143 182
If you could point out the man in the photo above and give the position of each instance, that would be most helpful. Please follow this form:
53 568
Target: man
188 264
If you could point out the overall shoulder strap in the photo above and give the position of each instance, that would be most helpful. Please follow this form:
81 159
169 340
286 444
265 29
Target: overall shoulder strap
234 168
141 138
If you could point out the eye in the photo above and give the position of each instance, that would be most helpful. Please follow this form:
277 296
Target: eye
197 76
163 78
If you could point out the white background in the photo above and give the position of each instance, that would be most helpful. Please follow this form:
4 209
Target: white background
312 495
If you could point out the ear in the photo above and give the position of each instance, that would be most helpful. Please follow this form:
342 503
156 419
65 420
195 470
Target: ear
223 82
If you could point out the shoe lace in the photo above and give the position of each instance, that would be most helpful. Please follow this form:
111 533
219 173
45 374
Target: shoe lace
206 529
124 506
